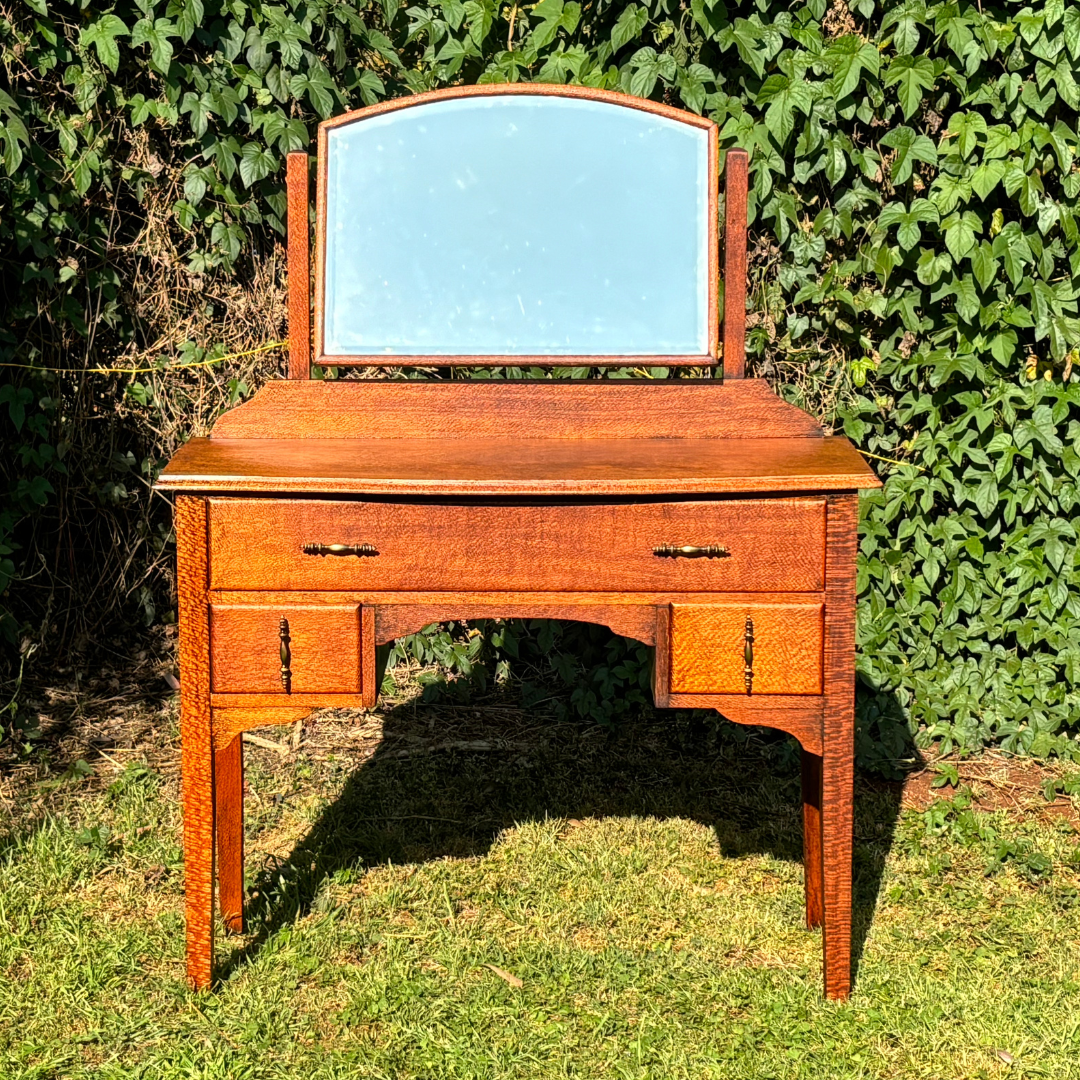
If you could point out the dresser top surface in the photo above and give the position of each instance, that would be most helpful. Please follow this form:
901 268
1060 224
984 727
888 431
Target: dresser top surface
517 467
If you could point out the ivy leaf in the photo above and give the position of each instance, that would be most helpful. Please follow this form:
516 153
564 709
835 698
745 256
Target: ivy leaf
913 77
984 265
629 26
932 265
847 58
1011 246
156 34
966 128
371 87
1040 428
710 15
967 299
1001 140
986 177
960 229
910 147
986 496
256 163
1071 30
785 95
102 34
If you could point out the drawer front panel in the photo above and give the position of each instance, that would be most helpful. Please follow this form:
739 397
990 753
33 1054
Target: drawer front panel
709 648
321 650
771 545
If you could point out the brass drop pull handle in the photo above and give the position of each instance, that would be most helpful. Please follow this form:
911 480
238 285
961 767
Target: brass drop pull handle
748 655
339 549
286 655
688 551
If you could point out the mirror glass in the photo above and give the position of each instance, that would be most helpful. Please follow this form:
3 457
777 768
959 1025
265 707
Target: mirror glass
516 225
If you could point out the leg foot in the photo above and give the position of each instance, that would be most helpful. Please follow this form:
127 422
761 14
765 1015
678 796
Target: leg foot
811 799
229 820
836 841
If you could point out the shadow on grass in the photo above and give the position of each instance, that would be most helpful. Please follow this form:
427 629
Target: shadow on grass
446 780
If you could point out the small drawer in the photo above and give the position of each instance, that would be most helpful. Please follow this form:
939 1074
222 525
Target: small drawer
738 545
730 648
285 649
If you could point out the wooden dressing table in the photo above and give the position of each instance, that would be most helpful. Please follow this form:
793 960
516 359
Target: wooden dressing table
706 518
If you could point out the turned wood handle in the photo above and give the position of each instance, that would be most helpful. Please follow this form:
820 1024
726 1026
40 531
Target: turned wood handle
286 655
689 551
748 655
339 549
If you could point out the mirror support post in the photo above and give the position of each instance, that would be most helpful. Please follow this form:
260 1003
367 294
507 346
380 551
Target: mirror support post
299 246
735 188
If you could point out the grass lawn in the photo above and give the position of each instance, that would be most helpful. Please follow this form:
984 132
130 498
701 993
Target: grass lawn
442 891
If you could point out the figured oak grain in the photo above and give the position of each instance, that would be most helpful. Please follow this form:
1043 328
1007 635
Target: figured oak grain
324 649
708 643
196 738
480 409
838 753
776 545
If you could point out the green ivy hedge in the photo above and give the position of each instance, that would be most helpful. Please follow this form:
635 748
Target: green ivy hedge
914 275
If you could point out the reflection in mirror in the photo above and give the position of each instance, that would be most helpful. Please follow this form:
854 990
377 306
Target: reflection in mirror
516 225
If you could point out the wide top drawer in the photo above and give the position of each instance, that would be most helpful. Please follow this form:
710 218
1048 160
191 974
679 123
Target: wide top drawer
758 545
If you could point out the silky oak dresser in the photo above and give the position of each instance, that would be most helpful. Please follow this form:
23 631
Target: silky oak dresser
522 227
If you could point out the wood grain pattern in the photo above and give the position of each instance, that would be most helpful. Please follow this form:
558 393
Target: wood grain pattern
708 640
661 669
499 90
231 721
392 621
532 468
735 186
229 821
196 737
798 716
775 545
838 756
299 241
369 681
812 865
270 701
466 409
324 646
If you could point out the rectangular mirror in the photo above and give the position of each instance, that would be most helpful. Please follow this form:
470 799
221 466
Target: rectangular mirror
517 225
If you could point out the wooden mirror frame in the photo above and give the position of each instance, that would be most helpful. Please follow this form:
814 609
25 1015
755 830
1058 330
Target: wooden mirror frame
299 246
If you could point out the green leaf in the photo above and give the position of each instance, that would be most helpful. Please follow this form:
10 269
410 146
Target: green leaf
912 76
1071 30
847 58
785 95
984 264
967 299
256 163
910 147
966 128
960 230
986 496
102 34
986 177
932 265
629 26
156 34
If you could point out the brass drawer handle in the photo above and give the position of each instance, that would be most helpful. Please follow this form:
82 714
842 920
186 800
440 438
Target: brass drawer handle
286 655
339 549
748 655
688 551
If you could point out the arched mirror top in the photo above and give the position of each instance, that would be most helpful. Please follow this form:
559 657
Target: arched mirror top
517 223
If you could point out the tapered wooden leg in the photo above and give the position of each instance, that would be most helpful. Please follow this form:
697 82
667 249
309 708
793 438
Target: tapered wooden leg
197 754
229 820
811 802
838 738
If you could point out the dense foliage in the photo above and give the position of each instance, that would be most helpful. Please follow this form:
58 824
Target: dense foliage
914 281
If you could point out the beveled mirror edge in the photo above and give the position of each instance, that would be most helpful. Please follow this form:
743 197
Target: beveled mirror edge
536 90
